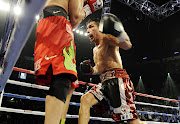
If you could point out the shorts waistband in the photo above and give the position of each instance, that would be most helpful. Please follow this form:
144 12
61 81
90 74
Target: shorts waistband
54 11
114 73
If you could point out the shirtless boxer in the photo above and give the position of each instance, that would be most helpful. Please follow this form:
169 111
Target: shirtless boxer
55 52
116 88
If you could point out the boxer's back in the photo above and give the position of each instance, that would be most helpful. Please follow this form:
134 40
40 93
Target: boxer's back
62 3
74 8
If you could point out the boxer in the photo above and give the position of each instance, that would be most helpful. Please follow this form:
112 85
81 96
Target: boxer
115 88
55 52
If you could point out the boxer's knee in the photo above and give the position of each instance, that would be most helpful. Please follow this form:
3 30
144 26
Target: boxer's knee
85 101
88 100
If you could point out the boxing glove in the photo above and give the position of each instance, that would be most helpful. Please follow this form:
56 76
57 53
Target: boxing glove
87 10
92 6
95 4
110 24
86 67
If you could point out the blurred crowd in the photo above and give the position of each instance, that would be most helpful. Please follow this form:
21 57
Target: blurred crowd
172 110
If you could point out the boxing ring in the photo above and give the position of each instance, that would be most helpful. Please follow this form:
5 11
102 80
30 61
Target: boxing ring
18 83
23 25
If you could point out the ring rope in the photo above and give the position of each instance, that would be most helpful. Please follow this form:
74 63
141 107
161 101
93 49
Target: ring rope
156 97
71 103
23 70
43 114
156 113
77 104
21 111
156 105
27 84
90 84
36 86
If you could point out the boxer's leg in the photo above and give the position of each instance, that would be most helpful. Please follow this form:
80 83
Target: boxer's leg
66 106
87 101
56 98
53 110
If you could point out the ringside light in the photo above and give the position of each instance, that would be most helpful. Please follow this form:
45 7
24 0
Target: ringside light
17 10
4 6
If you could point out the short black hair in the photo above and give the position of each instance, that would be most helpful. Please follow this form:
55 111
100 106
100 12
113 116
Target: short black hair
96 20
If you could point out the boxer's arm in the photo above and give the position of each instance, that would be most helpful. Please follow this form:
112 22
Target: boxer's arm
95 70
76 12
123 41
115 34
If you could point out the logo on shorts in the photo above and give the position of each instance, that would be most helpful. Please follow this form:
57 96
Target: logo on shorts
69 30
48 58
124 109
37 64
56 12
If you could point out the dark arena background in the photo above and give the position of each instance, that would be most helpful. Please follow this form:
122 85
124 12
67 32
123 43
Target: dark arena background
153 62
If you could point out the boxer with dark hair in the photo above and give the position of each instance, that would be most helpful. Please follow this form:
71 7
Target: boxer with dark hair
55 52
116 88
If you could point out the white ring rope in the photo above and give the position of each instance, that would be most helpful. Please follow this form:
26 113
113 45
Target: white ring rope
27 84
156 105
36 86
78 93
21 111
73 103
68 116
90 84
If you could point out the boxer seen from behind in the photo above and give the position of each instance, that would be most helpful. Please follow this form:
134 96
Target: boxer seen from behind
55 52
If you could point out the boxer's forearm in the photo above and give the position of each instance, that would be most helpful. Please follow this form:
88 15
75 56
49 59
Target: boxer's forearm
76 12
76 20
123 42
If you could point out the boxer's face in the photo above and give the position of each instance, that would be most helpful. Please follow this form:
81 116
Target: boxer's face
92 30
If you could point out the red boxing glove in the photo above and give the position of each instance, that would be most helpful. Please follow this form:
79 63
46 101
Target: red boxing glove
95 4
92 6
87 10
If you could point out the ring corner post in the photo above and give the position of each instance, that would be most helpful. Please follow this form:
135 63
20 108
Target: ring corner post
1 97
21 31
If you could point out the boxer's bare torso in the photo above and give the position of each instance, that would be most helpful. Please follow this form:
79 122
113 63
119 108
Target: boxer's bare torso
106 52
106 57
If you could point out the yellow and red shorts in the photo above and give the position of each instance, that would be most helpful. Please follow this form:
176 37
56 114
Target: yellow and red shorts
54 46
